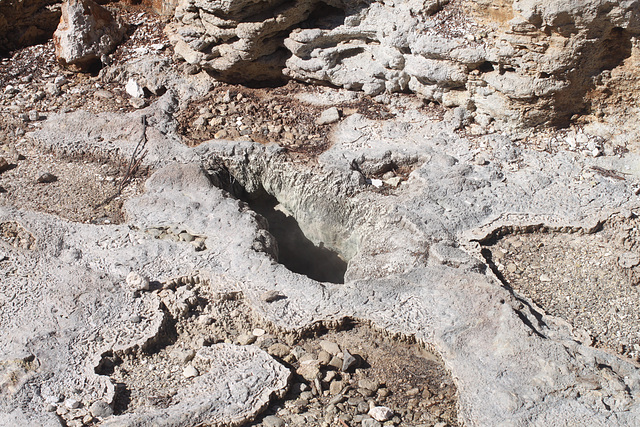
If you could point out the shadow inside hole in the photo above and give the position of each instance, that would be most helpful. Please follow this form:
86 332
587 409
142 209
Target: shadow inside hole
295 251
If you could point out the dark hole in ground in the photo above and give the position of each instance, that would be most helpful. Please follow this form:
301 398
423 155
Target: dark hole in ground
295 251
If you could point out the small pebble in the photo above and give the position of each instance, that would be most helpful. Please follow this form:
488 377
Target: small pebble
330 347
257 332
72 403
47 178
137 282
381 413
328 116
278 350
348 361
246 339
628 259
190 372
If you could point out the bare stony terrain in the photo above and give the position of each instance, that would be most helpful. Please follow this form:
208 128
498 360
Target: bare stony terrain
324 214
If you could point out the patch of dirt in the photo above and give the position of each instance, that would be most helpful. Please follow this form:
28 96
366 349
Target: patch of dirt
84 190
407 378
267 115
589 280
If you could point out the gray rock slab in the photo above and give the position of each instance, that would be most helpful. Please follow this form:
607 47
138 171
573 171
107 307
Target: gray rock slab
239 384
413 269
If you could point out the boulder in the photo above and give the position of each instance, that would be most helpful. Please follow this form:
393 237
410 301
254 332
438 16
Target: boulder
85 33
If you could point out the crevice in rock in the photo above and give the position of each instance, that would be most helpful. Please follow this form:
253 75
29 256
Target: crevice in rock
324 17
295 251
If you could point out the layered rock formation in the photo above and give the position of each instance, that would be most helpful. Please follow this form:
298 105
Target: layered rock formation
519 62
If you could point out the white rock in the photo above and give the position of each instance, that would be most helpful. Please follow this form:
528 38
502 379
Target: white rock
328 116
376 183
257 332
137 282
381 413
134 89
190 372
72 403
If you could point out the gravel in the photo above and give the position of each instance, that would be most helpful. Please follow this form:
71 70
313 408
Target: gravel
588 280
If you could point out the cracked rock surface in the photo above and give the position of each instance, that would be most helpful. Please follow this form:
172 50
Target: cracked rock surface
413 265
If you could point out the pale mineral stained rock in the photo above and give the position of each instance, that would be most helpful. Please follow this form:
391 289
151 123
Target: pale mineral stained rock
134 89
381 413
85 33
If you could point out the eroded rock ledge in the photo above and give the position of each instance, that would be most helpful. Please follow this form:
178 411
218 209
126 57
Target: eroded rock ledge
518 62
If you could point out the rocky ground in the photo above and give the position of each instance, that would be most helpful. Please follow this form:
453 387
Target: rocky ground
357 369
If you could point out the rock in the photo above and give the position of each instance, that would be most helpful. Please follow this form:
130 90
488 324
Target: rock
137 282
324 358
47 178
104 94
85 33
100 409
370 422
335 387
273 421
349 362
368 384
271 296
53 89
628 259
190 372
137 102
4 165
246 339
393 182
278 350
34 116
309 371
381 413
72 403
330 347
336 362
375 49
328 116
134 89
